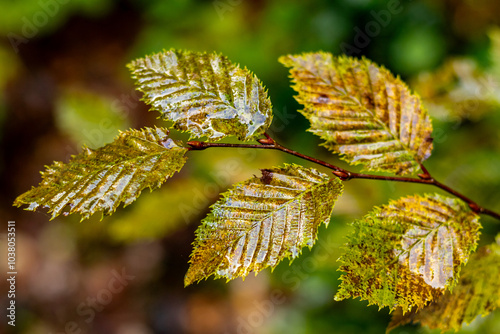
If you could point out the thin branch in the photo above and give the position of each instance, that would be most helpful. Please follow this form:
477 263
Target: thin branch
424 178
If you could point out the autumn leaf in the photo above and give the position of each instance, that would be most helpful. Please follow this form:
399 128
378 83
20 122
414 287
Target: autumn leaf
477 293
204 94
79 112
409 252
99 180
261 221
362 111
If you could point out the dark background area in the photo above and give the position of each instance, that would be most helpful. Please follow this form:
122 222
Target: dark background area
63 83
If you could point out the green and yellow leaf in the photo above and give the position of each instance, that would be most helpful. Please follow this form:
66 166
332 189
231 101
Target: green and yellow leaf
261 221
362 111
476 294
204 94
409 252
99 180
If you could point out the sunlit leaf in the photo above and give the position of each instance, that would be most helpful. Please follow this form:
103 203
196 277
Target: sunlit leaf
261 221
409 252
204 94
99 180
146 220
362 111
477 293
88 118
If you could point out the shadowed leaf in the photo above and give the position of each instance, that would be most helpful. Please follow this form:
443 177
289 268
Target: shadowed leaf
99 180
362 111
459 90
477 293
204 94
407 253
262 221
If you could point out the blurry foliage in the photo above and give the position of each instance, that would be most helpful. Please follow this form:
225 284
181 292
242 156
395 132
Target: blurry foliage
460 90
417 48
185 200
260 222
471 19
142 222
42 16
89 118
100 180
254 34
204 94
477 292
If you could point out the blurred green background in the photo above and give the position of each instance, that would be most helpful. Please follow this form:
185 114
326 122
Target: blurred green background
63 83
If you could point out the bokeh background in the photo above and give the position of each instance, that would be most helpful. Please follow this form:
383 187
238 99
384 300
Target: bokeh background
63 83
